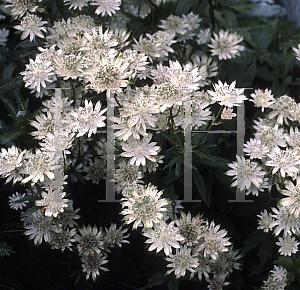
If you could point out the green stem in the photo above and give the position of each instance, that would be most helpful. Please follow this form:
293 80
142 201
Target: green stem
212 123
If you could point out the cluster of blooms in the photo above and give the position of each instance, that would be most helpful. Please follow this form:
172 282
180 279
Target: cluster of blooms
191 244
277 279
85 57
274 160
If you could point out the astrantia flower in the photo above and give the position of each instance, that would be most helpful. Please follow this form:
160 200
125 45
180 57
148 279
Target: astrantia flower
265 220
182 261
288 245
13 201
3 36
255 149
293 199
40 229
277 279
96 170
284 160
108 72
297 52
76 4
139 150
106 6
92 263
225 45
31 25
11 159
248 175
284 220
174 24
88 119
144 206
37 73
20 7
283 108
227 95
227 114
214 241
62 239
203 36
37 165
163 236
262 99
89 240
115 237
53 202
269 133
126 174
189 228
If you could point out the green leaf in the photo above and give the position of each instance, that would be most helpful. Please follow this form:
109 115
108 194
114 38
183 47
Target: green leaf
155 280
173 284
30 211
199 182
285 262
175 160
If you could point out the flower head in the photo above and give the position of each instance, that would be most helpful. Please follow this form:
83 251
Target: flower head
262 98
227 95
31 25
145 205
163 236
225 45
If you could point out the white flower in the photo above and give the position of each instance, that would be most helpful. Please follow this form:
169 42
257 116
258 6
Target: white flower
199 113
96 170
108 72
127 174
174 24
225 45
37 73
88 119
288 245
37 165
277 279
227 95
182 261
293 199
203 36
106 6
62 239
284 220
145 205
76 4
11 159
283 108
139 150
297 52
92 263
20 7
213 241
284 160
53 202
3 36
265 220
89 240
247 175
262 98
163 236
189 228
269 133
114 236
186 78
13 201
31 25
227 114
40 229
255 149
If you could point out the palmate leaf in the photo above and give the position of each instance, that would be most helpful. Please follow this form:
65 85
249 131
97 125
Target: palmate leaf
7 85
